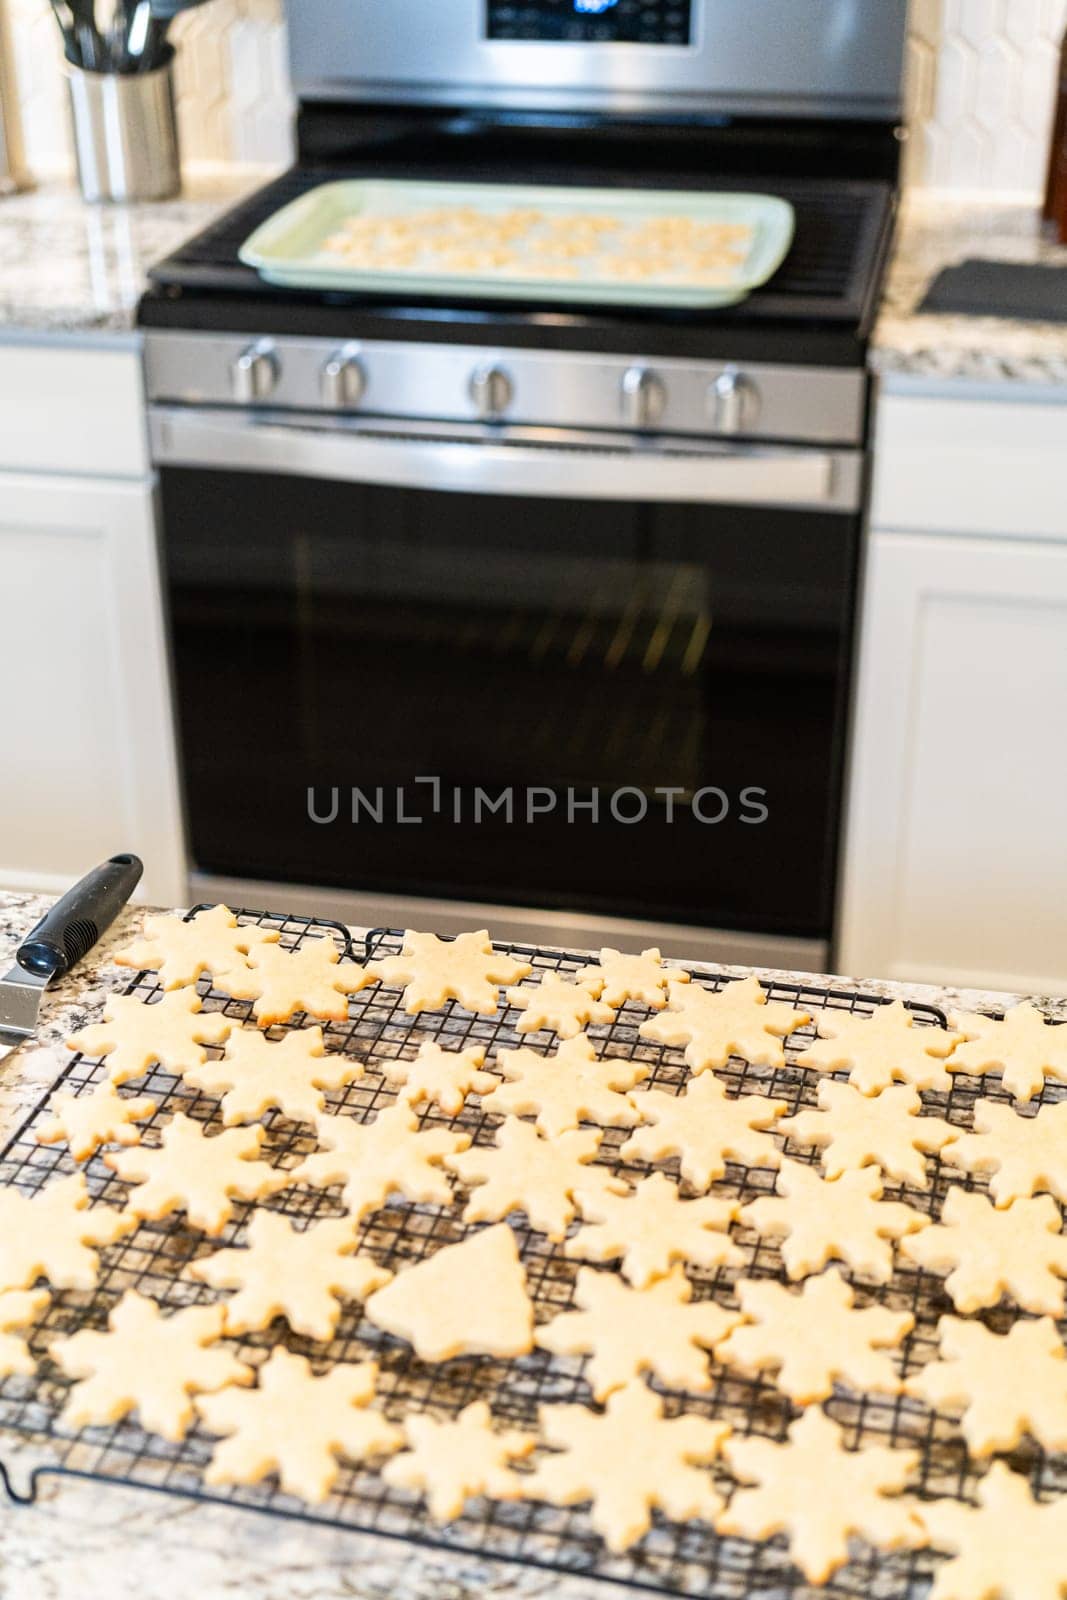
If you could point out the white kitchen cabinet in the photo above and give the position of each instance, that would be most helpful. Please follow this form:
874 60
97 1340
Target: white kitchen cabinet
86 728
955 865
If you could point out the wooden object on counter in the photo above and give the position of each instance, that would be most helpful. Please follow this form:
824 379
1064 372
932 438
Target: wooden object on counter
1056 190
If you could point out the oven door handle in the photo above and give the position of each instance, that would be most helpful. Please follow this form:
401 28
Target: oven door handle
611 468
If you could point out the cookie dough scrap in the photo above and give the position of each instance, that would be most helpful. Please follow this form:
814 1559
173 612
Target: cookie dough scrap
1008 1547
1018 1252
853 1130
714 1025
881 1049
1021 1154
626 1332
557 1004
651 1228
845 1220
18 1308
298 1424
1005 1384
181 950
1023 1046
819 1494
86 1121
705 1128
468 1299
302 1275
135 1035
815 1338
373 1160
148 1363
617 977
452 1461
525 1172
466 969
439 1077
260 1074
55 1235
312 979
627 1460
566 1088
197 1173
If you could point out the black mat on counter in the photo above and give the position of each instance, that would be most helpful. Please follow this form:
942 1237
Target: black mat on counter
999 289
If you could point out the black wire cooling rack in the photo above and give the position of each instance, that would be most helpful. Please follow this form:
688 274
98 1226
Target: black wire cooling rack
676 1559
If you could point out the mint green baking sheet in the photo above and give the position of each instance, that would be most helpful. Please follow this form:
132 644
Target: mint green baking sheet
288 249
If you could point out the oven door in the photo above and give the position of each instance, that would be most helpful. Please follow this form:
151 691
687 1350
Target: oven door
574 672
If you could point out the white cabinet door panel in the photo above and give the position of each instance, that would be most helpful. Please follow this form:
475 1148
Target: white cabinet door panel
956 858
87 742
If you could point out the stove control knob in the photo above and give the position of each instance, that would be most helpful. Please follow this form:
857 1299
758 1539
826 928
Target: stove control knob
733 402
343 380
644 398
492 391
255 373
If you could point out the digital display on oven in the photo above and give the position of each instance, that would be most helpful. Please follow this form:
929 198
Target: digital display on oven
591 21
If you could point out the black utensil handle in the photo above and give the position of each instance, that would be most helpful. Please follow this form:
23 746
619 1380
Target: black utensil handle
70 929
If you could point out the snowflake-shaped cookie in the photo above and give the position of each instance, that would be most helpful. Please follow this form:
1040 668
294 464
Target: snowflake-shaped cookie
181 950
717 1024
18 1308
626 1332
86 1121
1023 1155
298 1424
466 1299
557 1004
880 1049
627 1460
439 1077
819 1493
196 1173
1019 1252
651 1228
135 1035
454 1459
146 1362
302 1275
853 1130
55 1235
566 1088
1006 1384
1008 1547
373 1160
1023 1046
705 1128
466 969
259 1074
312 979
812 1339
525 1172
819 1221
617 977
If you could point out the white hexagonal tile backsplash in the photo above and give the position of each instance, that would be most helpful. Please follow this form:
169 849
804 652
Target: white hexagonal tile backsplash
981 77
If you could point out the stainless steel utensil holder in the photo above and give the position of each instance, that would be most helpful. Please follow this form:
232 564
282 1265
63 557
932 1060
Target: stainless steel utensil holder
125 133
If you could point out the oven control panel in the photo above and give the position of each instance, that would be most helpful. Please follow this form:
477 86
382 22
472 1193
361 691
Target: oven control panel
591 21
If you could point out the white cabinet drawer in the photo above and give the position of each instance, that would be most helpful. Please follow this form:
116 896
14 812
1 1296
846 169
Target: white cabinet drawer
66 408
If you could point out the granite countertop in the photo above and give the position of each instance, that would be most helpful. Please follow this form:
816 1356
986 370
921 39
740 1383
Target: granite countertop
85 1541
936 231
68 267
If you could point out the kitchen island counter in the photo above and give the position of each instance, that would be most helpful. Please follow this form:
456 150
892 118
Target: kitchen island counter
88 1541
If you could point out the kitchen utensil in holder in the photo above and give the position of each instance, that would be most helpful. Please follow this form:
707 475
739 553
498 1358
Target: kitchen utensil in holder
125 132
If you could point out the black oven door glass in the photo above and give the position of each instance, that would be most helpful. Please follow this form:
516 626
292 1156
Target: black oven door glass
632 709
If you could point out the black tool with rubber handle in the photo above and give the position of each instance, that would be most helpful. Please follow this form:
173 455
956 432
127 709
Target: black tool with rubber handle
69 930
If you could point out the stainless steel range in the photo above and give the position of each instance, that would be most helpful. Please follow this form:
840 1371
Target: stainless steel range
509 611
